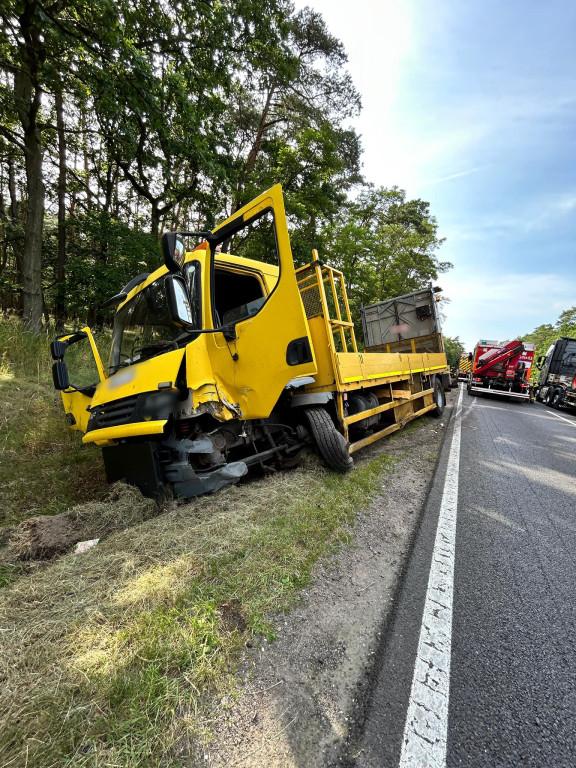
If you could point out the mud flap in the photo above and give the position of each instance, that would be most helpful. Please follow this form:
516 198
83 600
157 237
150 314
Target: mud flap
137 464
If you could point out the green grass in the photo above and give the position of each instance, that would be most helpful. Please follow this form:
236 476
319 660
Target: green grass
113 656
9 572
45 467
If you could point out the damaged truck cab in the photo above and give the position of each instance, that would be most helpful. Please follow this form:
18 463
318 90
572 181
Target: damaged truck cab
219 362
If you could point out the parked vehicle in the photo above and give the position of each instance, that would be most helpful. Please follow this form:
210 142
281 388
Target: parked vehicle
556 384
502 368
465 366
220 363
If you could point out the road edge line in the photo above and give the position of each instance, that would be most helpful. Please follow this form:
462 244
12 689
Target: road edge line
426 729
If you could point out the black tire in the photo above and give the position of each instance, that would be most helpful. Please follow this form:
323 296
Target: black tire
557 398
537 396
550 396
439 398
469 389
331 445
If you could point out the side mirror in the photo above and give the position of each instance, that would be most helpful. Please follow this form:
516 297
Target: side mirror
178 301
539 361
60 375
58 349
173 251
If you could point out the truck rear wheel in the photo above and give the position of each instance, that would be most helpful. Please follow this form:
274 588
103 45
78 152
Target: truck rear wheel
557 398
439 398
331 445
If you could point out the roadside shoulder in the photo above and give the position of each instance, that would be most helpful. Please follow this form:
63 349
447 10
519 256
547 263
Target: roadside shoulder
300 695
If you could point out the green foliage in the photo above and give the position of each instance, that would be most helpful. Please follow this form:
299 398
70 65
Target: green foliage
105 254
172 115
544 335
385 245
289 114
454 348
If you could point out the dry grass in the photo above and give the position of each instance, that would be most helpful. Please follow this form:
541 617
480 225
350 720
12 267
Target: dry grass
110 657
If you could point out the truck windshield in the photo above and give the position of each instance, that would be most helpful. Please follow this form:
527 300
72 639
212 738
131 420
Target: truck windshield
143 328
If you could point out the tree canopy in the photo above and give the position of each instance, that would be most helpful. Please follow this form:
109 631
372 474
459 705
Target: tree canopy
119 120
454 349
384 244
544 335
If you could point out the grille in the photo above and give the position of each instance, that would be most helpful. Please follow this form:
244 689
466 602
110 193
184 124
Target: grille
113 413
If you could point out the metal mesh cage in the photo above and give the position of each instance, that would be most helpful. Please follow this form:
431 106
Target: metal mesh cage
308 284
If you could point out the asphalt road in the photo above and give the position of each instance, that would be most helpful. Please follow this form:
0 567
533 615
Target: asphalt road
510 677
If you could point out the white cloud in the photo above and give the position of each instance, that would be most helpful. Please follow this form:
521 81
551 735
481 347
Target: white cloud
451 176
488 304
483 138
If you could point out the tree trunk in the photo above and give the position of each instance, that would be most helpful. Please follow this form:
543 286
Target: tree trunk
86 165
29 93
155 220
60 304
32 255
253 154
16 299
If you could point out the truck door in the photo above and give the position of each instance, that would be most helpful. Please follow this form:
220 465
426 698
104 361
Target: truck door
77 371
268 344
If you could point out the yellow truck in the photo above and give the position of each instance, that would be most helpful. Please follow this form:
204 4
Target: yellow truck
220 363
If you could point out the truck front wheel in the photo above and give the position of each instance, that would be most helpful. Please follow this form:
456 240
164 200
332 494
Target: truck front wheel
331 445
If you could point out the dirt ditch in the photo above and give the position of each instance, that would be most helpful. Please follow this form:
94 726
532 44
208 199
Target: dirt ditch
45 537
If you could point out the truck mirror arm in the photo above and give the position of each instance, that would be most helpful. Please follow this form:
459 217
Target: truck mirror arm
228 331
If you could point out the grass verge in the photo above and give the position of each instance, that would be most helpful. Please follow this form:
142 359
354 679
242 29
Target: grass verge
110 657
45 467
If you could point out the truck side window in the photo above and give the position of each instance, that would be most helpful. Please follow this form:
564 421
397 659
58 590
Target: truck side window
238 295
192 277
247 271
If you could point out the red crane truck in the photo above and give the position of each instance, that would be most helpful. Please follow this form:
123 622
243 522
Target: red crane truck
502 368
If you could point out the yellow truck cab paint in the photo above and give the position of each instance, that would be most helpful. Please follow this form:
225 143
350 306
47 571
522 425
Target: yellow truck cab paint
227 357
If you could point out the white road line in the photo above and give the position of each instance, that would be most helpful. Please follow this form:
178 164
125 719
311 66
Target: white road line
572 423
426 729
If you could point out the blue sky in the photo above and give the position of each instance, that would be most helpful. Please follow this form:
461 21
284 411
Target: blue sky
471 105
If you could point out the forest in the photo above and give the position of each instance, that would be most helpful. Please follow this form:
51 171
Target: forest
121 120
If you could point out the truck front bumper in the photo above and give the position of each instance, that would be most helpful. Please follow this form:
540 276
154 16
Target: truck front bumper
506 393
